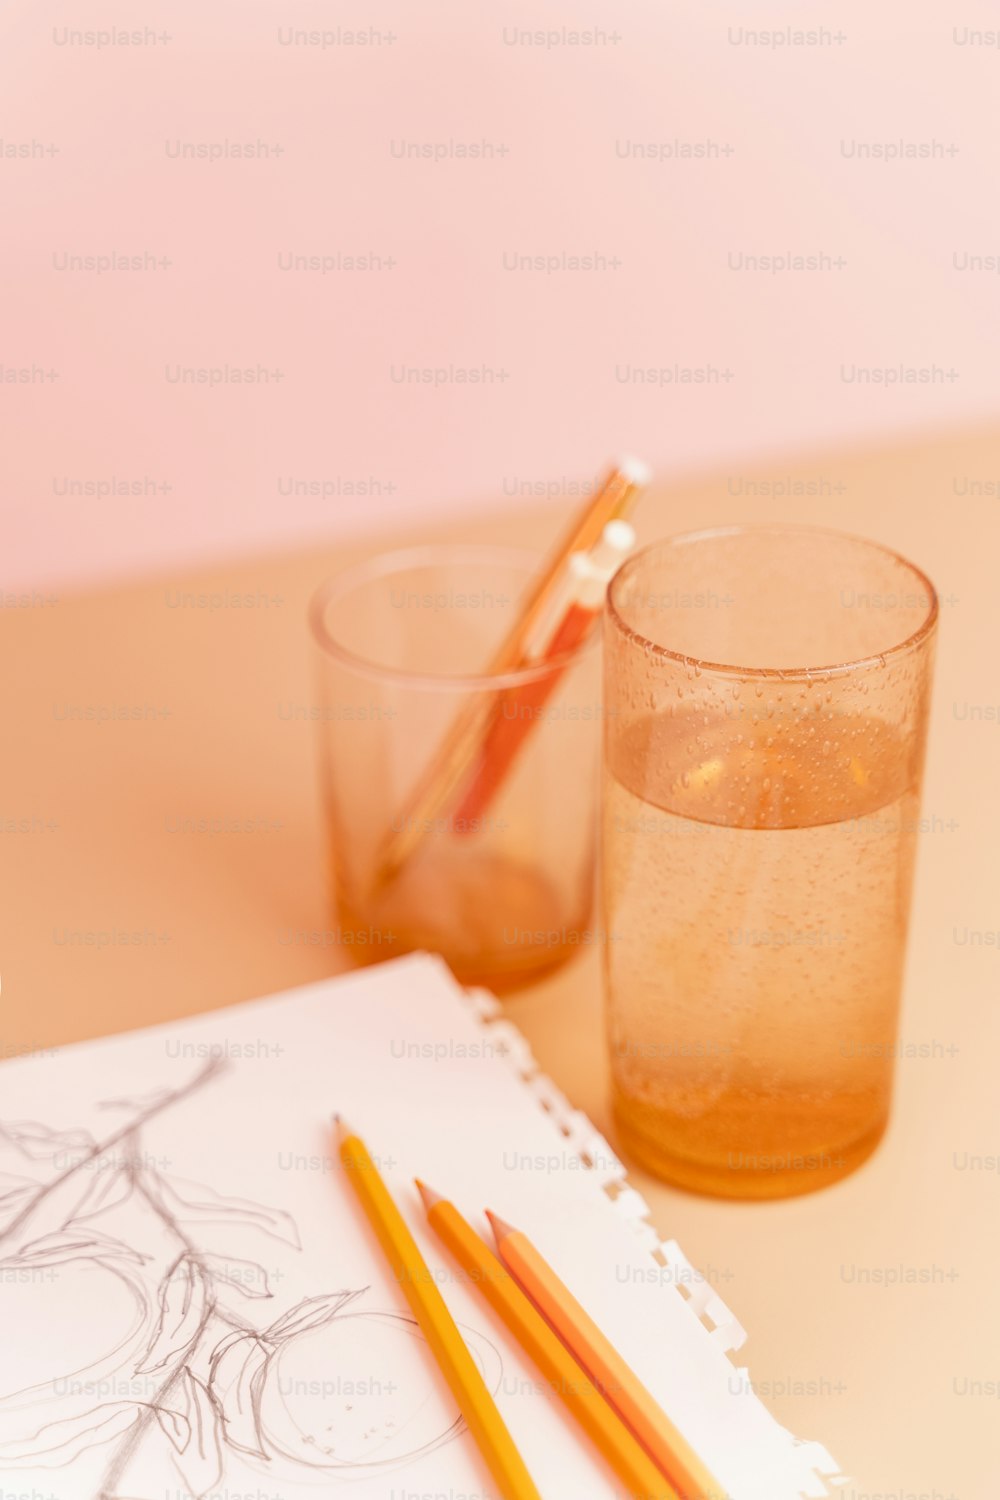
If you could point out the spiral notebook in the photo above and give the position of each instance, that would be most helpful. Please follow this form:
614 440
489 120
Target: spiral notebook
192 1307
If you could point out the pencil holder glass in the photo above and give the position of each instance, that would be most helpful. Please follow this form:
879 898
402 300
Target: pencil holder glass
429 848
760 823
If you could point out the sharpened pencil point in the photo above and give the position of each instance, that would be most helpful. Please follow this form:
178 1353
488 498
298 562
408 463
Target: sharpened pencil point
500 1228
429 1196
341 1127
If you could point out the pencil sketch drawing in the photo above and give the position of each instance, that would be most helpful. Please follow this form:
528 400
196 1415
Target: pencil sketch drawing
195 1375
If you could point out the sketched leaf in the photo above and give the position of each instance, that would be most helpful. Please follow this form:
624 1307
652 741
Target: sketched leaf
15 1193
175 1425
140 1103
73 1244
236 1381
54 1444
40 1143
245 1275
109 1187
57 1205
200 1463
193 1202
11 1183
11 1207
311 1312
181 1303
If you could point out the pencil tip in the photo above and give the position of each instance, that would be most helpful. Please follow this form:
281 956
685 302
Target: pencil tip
341 1126
428 1195
501 1229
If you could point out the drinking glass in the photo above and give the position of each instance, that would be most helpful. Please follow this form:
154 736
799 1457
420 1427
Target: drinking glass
766 702
505 892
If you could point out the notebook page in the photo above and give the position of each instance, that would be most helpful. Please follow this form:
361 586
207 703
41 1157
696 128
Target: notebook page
193 1304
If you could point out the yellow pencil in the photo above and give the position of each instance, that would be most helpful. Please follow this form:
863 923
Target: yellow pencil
439 1327
601 1424
620 1385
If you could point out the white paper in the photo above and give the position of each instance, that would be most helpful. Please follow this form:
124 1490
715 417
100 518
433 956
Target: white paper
193 1305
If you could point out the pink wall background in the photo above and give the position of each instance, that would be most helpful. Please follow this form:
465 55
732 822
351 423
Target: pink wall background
87 169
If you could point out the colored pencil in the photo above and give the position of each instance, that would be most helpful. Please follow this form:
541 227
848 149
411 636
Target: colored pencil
439 1328
568 1381
521 707
463 741
667 1447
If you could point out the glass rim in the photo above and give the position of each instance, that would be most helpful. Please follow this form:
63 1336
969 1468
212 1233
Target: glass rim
778 528
384 564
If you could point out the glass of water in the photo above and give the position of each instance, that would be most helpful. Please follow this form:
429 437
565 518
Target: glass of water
766 704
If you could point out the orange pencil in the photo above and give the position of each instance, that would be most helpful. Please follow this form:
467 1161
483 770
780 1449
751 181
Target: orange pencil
568 1381
620 1385
520 708
463 741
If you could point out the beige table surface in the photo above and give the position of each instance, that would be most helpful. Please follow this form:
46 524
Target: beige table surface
900 1381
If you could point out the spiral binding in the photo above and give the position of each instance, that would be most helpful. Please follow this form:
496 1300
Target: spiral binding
808 1465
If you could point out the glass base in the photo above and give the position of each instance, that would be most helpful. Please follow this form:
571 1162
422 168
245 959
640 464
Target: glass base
496 922
492 972
740 1175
